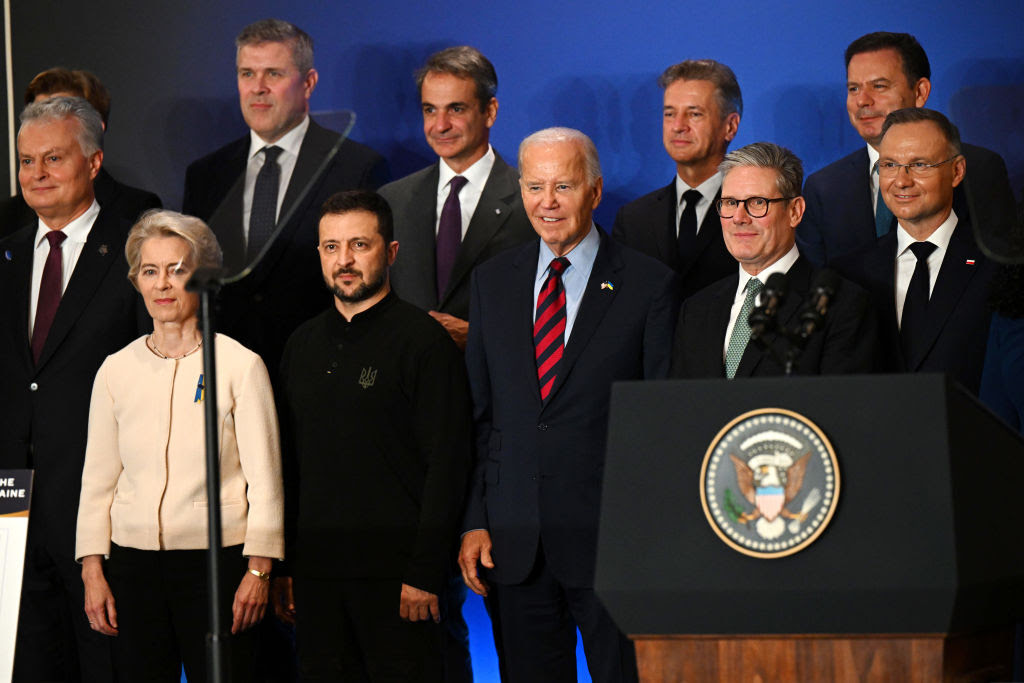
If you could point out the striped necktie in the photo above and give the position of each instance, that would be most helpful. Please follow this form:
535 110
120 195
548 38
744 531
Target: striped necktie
549 326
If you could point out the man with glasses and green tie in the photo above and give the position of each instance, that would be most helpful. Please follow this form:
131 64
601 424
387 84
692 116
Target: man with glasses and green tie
928 279
884 72
760 208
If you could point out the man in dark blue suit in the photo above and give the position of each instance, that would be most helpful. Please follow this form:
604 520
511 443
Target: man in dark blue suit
885 72
677 224
928 279
599 312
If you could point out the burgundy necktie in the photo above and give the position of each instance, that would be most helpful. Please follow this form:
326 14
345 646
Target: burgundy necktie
549 326
449 234
49 293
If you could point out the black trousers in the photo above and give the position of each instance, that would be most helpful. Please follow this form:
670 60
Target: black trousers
162 614
538 630
350 630
54 641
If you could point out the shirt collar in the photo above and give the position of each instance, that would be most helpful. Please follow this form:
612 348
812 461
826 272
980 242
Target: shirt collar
475 175
290 142
872 159
708 189
582 254
75 232
781 266
940 238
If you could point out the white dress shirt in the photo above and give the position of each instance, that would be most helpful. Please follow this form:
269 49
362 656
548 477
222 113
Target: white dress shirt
290 145
906 262
873 176
708 190
781 266
476 177
77 231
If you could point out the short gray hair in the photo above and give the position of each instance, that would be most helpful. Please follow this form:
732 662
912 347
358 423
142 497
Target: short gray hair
787 166
463 61
204 251
278 31
727 89
550 136
90 124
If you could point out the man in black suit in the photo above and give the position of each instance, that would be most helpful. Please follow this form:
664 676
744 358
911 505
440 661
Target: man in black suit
885 72
243 197
760 210
445 234
66 305
603 313
928 279
124 200
677 224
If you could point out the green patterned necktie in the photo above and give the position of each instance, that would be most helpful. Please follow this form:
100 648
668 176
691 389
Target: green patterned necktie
741 330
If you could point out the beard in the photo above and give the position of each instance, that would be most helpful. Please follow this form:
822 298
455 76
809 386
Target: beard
364 291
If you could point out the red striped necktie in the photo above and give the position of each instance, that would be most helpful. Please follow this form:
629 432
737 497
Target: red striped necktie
549 326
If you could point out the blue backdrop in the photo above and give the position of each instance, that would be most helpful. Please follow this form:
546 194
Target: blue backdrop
590 65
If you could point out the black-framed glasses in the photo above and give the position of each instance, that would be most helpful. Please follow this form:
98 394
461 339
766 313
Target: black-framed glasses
756 207
918 169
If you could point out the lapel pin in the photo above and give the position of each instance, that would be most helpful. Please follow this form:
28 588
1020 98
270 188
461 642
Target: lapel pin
497 211
608 285
103 250
970 262
8 256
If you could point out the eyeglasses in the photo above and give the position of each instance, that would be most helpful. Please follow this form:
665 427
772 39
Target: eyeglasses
756 207
918 169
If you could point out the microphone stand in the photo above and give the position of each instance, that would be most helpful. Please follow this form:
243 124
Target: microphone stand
207 282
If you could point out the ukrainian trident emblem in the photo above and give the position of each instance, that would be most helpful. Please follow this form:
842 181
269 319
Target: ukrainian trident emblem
367 377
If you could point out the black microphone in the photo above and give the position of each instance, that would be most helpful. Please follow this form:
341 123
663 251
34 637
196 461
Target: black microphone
823 291
764 317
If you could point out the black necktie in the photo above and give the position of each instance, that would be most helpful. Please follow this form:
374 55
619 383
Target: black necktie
687 237
915 306
263 213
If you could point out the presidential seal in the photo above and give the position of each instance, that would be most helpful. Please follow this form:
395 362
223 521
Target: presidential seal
769 483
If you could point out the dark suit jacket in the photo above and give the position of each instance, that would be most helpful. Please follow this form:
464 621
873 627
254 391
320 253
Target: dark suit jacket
847 343
499 222
839 219
44 407
122 200
539 466
958 313
648 225
286 288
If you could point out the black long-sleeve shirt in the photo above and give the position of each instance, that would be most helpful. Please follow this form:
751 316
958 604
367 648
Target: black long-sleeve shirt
376 427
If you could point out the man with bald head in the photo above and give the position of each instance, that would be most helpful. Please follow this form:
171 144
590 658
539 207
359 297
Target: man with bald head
551 325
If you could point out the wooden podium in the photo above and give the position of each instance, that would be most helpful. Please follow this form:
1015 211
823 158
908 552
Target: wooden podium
918 577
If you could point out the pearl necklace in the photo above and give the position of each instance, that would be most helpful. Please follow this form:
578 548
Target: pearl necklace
152 345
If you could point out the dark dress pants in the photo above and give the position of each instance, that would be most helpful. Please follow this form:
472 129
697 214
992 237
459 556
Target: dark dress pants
162 614
350 631
54 641
538 629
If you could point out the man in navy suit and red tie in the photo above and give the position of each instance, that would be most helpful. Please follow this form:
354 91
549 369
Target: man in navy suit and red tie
552 324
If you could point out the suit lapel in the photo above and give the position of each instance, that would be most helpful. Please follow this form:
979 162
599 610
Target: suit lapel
102 248
710 228
861 189
18 277
419 237
522 312
593 306
718 321
798 283
492 211
226 220
667 238
955 276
